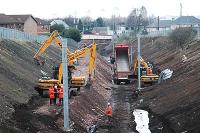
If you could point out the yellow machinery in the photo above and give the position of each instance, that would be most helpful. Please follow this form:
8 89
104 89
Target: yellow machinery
74 82
147 75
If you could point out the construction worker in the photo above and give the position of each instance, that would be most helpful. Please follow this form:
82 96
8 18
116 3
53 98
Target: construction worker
149 71
51 95
60 95
108 111
55 93
184 58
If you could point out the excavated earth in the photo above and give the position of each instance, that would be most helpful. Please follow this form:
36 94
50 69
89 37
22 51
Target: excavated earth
23 110
174 105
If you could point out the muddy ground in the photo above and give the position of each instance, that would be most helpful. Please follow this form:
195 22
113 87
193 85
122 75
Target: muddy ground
19 73
38 115
175 101
173 105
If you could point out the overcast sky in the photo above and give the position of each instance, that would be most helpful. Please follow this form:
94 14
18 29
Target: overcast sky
96 8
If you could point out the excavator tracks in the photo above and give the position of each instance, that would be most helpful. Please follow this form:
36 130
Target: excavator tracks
122 100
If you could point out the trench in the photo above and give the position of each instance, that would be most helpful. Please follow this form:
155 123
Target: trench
124 101
122 98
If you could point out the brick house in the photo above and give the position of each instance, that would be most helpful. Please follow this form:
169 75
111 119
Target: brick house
186 21
102 31
42 26
25 23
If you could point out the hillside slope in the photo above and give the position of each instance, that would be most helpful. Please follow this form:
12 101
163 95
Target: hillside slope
18 76
19 73
176 100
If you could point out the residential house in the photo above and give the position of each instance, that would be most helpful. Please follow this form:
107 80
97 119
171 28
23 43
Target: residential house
58 21
121 30
102 31
186 21
25 23
43 26
162 25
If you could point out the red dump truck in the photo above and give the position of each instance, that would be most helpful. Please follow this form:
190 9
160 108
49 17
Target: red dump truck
120 61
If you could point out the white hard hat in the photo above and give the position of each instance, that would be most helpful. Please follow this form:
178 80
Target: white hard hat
61 86
108 104
55 86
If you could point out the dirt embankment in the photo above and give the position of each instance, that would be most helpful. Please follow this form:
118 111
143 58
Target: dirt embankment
177 100
85 109
19 73
89 106
17 80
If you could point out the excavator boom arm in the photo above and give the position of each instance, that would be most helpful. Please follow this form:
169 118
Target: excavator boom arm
82 52
79 53
142 62
46 44
71 56
92 60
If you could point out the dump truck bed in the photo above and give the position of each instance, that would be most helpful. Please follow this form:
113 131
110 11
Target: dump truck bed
121 65
122 60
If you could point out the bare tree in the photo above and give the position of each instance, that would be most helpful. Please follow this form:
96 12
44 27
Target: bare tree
70 20
182 35
137 19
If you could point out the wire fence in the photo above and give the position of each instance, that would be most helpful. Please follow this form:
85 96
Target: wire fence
12 34
166 33
158 33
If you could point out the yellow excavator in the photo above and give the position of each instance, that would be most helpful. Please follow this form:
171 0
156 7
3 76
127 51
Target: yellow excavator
75 82
147 75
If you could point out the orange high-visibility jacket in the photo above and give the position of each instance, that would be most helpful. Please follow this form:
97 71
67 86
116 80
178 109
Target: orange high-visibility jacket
51 93
60 93
108 111
149 71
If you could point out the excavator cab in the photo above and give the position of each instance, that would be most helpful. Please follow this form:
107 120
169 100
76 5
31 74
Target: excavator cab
146 70
75 81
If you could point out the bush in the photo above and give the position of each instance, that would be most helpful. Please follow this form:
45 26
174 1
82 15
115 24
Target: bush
73 34
58 27
181 36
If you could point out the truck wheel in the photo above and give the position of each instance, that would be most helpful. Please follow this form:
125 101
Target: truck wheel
70 94
74 92
118 82
114 81
40 92
78 91
44 93
142 84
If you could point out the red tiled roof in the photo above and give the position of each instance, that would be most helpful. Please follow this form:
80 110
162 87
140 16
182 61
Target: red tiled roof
22 18
42 22
10 19
5 19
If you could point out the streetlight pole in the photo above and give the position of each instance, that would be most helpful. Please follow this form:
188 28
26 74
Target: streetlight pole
139 84
83 27
114 34
65 87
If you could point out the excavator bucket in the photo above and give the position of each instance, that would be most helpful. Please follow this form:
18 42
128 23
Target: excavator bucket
149 78
78 81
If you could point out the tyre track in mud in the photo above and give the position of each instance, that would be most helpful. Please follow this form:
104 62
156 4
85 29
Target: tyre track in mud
122 99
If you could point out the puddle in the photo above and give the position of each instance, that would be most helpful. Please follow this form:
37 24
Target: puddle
141 120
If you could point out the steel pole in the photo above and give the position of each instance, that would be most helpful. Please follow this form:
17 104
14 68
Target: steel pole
139 85
131 56
65 86
83 27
